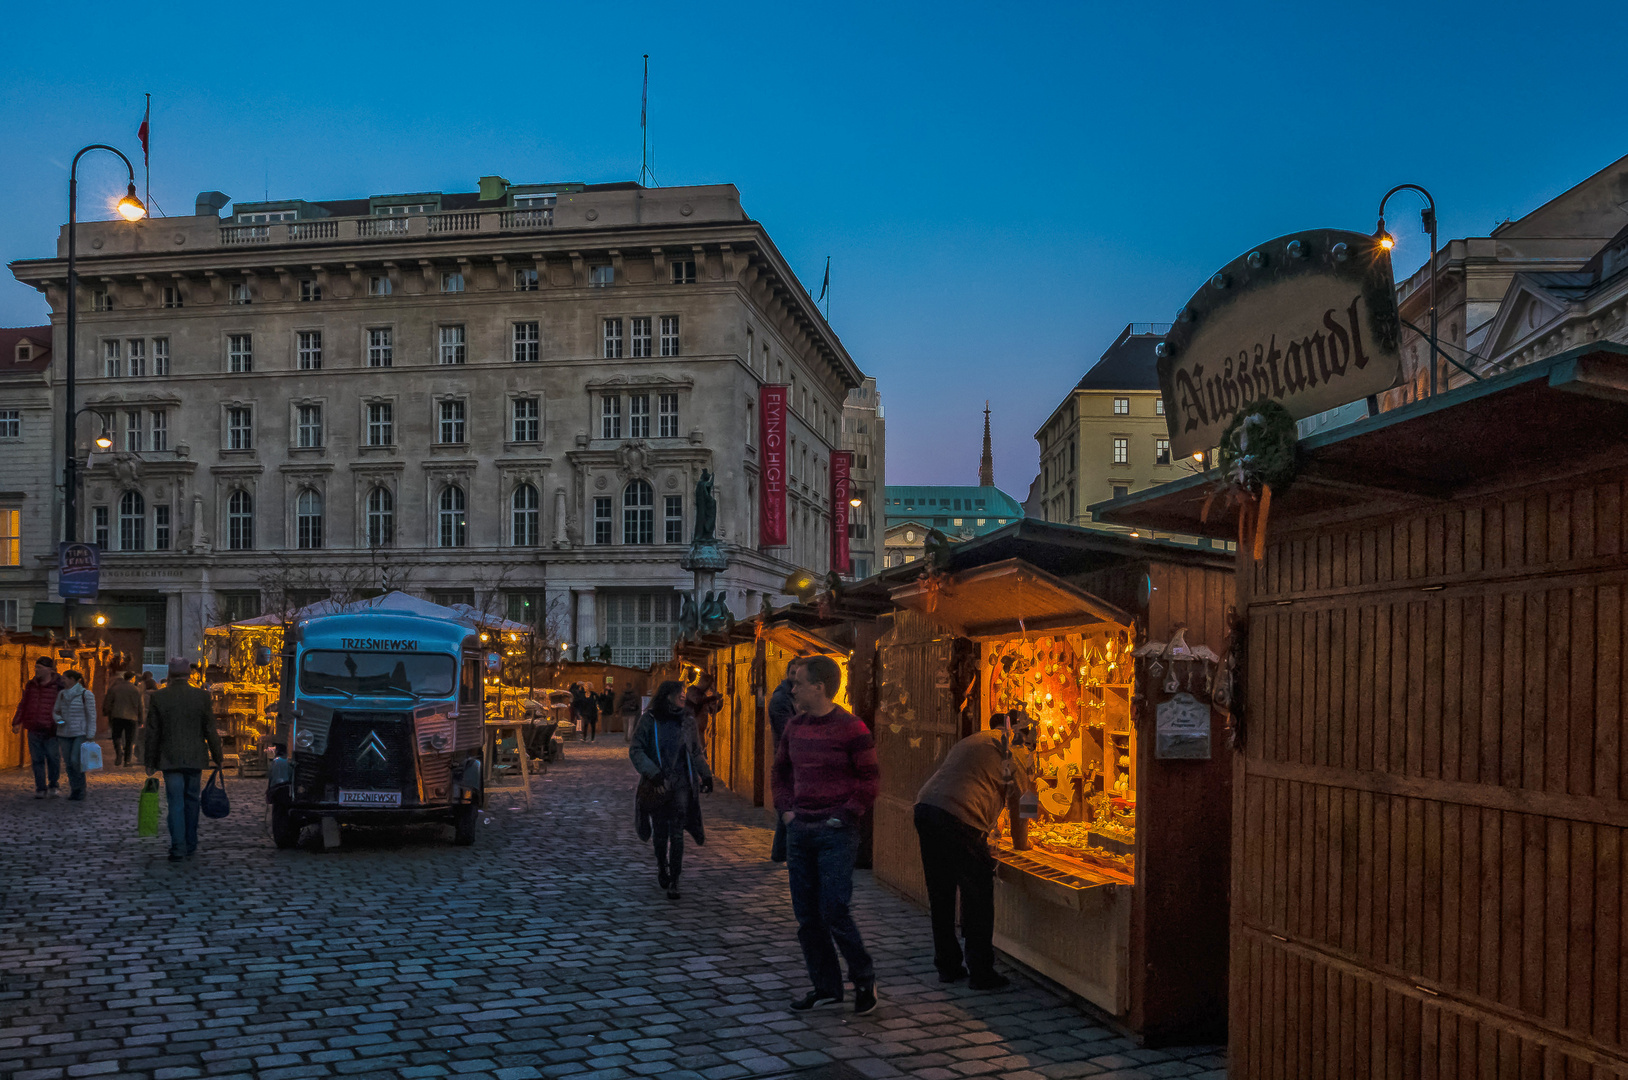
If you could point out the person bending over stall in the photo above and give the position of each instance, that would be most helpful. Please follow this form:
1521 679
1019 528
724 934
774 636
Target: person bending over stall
673 773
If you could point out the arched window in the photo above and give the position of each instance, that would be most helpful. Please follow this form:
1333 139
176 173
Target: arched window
381 518
240 521
308 520
638 513
132 521
524 505
453 528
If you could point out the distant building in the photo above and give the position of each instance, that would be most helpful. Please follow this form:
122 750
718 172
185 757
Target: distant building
960 513
1108 437
1546 312
864 431
28 434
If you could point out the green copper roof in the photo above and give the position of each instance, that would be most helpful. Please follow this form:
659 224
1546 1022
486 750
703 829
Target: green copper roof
941 507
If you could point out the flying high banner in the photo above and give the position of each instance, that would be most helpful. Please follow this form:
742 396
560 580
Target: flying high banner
772 470
842 465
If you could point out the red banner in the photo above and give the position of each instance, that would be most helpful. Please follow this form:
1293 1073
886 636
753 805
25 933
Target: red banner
772 471
842 467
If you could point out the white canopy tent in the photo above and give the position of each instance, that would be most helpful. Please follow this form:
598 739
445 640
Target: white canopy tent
399 603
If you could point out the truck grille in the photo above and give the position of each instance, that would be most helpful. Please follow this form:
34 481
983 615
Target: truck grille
372 751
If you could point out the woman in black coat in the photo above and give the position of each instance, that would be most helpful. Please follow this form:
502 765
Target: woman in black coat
673 773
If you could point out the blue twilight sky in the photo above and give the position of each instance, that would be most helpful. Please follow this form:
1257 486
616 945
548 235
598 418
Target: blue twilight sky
1000 187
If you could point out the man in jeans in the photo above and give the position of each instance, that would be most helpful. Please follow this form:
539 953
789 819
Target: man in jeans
34 715
122 704
825 780
181 740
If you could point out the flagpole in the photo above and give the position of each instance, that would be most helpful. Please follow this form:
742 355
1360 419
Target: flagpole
644 124
146 153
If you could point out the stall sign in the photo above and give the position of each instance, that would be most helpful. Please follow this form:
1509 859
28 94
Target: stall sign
772 471
1308 320
78 571
1182 729
842 464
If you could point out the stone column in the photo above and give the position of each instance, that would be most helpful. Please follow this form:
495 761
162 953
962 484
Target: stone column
587 627
561 540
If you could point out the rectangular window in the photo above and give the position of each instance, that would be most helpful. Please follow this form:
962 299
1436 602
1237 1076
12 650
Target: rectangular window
236 293
101 529
132 431
101 300
1161 451
673 519
602 520
640 628
667 418
161 528
310 290
525 607
525 279
610 416
601 276
381 424
1122 406
640 333
528 340
452 422
159 433
161 356
170 296
11 423
240 353
1122 451
638 416
669 335
452 281
112 360
613 339
378 285
381 347
453 349
11 537
10 618
240 428
136 354
309 350
235 606
683 271
527 412
1158 406
309 428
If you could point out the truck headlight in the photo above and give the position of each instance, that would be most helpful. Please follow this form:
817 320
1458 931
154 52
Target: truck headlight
304 740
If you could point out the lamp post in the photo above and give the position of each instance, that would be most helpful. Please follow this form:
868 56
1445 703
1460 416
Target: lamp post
131 209
1427 218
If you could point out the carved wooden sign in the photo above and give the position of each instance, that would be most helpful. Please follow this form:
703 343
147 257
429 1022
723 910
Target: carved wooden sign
1307 320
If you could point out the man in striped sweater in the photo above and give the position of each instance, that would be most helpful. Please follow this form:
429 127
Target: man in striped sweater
825 779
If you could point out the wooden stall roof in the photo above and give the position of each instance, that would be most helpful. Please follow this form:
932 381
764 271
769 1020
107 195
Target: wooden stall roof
987 601
1430 450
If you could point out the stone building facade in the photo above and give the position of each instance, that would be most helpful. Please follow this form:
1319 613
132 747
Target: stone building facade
864 431
503 397
27 484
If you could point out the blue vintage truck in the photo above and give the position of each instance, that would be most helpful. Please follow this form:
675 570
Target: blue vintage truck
380 722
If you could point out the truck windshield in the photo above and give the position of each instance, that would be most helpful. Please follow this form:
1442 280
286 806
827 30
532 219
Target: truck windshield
370 674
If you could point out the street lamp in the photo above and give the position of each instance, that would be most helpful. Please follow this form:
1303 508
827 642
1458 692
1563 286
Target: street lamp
131 209
1427 217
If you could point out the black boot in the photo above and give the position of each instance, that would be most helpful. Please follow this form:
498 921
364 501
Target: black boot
672 888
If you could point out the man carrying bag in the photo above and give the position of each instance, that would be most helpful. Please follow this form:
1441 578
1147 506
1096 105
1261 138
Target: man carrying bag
180 741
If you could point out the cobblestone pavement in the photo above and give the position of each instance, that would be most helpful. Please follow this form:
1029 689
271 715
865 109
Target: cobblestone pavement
544 951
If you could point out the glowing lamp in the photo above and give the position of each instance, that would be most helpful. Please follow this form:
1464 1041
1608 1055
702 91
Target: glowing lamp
130 207
101 620
1387 241
104 441
1198 455
855 503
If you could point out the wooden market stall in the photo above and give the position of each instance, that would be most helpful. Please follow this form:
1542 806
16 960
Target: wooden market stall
1431 801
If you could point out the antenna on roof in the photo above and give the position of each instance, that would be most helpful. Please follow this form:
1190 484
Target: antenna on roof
644 126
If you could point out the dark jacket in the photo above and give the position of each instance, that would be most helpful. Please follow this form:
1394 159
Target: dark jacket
122 701
180 729
38 702
781 709
688 768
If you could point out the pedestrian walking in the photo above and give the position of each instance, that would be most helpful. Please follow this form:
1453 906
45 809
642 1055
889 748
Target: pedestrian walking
703 701
782 707
825 780
123 703
35 717
75 717
180 740
955 812
673 774
590 715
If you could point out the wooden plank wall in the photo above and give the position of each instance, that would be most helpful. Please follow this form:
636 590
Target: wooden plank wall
1429 817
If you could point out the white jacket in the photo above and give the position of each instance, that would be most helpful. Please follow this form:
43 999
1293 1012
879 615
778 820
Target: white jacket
75 713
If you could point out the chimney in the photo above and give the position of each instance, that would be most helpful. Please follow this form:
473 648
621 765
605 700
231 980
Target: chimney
210 203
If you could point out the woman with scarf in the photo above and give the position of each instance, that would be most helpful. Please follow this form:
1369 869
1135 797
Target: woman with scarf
673 773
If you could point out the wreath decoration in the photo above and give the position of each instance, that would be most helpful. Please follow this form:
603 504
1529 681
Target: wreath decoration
1258 455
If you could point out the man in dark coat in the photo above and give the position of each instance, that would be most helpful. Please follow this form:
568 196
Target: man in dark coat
34 717
180 741
666 749
122 704
782 707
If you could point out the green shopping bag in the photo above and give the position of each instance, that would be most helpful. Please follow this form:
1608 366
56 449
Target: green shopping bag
147 809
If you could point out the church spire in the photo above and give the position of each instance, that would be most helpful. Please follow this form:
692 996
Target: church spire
986 467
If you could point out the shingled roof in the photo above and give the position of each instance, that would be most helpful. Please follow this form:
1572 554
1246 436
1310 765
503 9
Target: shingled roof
1129 363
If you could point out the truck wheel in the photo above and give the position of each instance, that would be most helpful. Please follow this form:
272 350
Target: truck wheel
285 831
464 824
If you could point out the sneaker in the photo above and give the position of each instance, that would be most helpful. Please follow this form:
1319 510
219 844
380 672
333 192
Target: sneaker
864 999
53 791
992 981
814 999
952 976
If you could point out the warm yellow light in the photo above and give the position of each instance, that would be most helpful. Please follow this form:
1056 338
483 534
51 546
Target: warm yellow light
1387 241
101 620
1198 455
130 207
104 442
484 637
855 502
1136 534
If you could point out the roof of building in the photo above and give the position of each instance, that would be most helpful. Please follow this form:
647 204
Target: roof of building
960 512
449 200
10 336
1129 363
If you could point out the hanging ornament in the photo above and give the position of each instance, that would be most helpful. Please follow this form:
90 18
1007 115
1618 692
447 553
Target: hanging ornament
1257 457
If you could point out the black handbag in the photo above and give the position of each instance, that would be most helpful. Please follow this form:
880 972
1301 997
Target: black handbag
213 800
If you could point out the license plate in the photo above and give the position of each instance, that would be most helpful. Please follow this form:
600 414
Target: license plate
370 798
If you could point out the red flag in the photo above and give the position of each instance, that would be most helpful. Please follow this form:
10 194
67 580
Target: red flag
141 132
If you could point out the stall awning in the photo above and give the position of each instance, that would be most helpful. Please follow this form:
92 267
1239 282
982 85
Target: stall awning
1005 598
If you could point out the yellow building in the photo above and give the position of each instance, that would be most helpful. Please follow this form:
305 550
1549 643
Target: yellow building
1108 437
